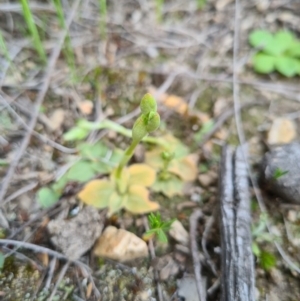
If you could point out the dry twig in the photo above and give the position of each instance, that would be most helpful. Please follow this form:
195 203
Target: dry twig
195 216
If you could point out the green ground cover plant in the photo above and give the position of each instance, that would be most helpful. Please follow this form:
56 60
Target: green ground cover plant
276 52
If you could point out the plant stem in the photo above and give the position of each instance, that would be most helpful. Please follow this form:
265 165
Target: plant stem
126 157
108 124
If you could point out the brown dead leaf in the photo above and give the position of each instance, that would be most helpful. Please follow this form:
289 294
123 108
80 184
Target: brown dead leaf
86 107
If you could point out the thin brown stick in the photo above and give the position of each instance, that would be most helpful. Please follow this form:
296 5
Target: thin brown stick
195 216
208 226
40 249
40 97
50 273
20 191
60 278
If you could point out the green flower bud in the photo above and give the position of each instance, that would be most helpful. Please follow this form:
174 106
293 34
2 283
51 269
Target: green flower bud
148 104
152 122
139 130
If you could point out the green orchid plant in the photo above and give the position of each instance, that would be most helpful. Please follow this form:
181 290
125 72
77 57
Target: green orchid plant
127 186
174 164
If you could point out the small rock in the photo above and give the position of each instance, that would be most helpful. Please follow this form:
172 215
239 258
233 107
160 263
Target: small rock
77 235
292 216
207 179
57 119
179 233
285 158
282 131
120 245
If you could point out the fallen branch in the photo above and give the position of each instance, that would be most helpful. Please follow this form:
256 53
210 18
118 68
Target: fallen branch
237 278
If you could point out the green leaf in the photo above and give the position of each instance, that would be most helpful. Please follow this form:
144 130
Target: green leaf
281 42
76 133
278 173
284 40
93 151
169 187
46 197
294 49
116 203
88 125
138 202
59 186
267 260
81 171
162 236
255 249
286 66
97 193
298 66
263 63
260 38
2 260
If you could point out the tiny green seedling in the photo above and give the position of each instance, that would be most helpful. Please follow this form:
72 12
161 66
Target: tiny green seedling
278 173
127 187
280 52
158 228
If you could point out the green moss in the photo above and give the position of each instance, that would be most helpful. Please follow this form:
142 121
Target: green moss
18 281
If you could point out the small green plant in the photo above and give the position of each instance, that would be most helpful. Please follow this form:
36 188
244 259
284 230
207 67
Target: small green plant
158 228
33 30
260 235
174 165
278 173
280 52
127 186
